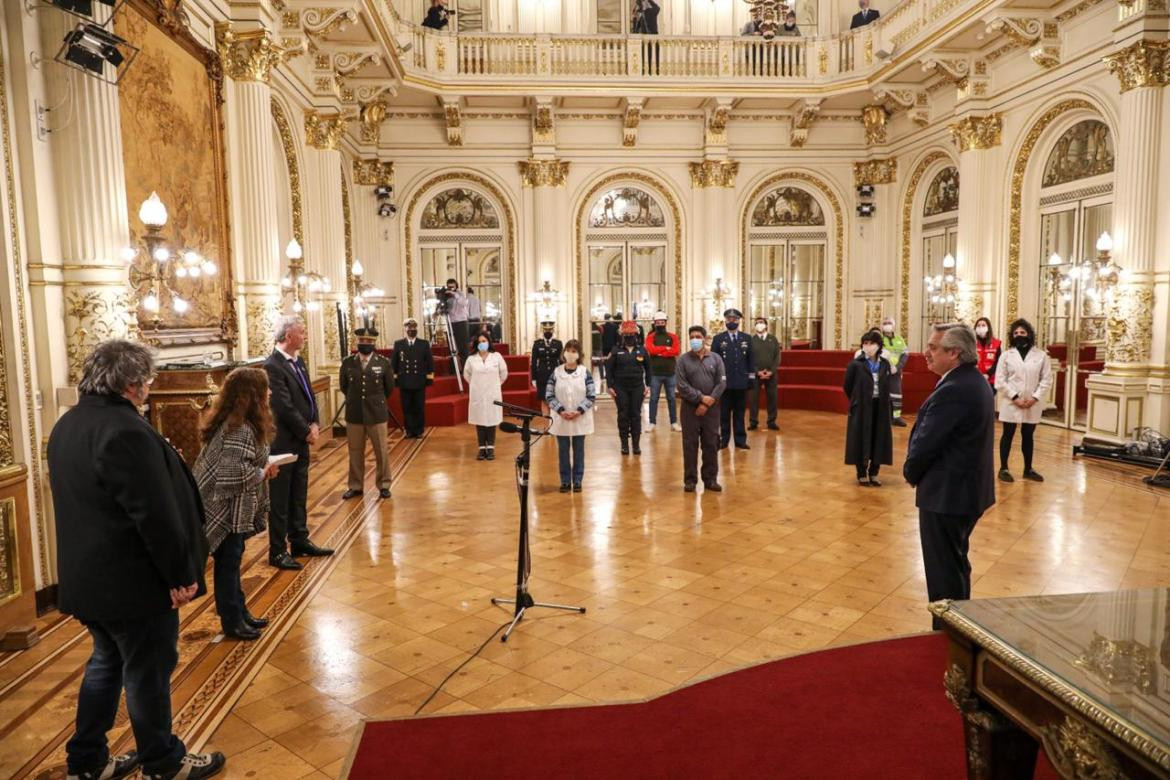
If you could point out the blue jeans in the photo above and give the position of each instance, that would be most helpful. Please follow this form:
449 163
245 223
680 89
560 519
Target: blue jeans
139 655
575 472
656 383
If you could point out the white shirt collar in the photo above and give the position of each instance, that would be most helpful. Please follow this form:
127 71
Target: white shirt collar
286 355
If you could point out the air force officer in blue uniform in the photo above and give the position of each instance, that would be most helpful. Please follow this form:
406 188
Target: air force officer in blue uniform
736 350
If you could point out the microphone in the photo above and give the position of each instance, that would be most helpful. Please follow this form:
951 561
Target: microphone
508 427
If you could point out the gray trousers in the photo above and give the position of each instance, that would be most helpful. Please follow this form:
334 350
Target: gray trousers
355 437
700 433
771 391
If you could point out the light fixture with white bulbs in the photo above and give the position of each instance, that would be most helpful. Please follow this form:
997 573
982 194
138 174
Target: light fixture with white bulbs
942 290
155 282
303 288
1097 277
360 292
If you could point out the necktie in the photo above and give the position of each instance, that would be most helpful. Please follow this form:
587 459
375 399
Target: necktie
304 385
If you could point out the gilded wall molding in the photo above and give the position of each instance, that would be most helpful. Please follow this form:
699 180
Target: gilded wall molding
509 235
261 312
838 236
1131 323
876 171
288 144
323 21
372 172
1019 169
714 173
631 118
347 222
874 118
977 132
543 173
1142 64
802 120
250 55
453 117
324 131
371 116
907 234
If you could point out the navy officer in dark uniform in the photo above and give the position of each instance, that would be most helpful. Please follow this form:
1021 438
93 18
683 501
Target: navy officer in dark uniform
628 372
736 350
546 356
367 380
413 364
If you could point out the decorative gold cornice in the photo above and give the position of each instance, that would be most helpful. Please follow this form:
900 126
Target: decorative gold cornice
1143 64
874 118
454 119
250 55
371 173
714 173
543 173
324 131
876 171
371 116
630 121
977 132
323 21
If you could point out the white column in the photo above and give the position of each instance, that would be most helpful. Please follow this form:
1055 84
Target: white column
325 251
978 238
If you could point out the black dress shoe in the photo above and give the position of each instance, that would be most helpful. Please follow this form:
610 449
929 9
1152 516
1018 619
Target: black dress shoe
625 448
241 631
384 493
565 488
898 422
1005 476
254 621
482 454
491 454
689 487
351 493
714 487
310 550
773 427
744 446
283 561
1033 476
577 487
753 426
116 767
637 450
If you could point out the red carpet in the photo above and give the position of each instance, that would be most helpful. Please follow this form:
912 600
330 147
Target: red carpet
875 710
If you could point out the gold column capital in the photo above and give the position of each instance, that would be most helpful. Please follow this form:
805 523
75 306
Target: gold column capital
250 55
977 132
372 172
876 171
1141 64
874 118
714 173
543 173
372 115
324 131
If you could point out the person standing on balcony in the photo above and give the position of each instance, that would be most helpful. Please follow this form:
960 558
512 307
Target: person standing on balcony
664 349
646 23
790 55
865 16
437 16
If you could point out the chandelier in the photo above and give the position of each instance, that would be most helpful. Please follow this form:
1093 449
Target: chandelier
1097 276
155 284
943 289
302 285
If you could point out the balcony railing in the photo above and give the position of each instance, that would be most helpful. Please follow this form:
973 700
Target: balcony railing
619 58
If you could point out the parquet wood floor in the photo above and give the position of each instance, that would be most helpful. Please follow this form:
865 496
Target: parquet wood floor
793 556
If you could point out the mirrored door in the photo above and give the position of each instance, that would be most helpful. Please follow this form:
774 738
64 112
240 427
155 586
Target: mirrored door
626 278
786 285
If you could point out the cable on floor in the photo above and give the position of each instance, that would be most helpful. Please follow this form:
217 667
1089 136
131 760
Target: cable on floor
466 661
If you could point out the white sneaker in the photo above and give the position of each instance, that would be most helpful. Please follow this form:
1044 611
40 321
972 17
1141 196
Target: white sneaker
676 427
649 426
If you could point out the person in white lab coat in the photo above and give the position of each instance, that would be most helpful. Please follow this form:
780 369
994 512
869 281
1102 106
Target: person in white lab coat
570 396
485 372
1022 379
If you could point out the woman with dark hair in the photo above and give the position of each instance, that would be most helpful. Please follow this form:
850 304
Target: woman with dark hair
570 396
485 372
989 348
232 471
869 439
1022 379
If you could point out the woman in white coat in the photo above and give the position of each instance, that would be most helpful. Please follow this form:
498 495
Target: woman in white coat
1022 379
570 396
485 372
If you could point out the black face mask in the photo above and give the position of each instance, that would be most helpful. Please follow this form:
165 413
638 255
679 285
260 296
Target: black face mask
548 334
365 349
631 341
660 329
1019 342
733 326
412 333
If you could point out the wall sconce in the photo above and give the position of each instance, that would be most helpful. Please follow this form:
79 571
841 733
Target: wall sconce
720 295
1099 275
155 282
545 299
299 283
360 290
943 288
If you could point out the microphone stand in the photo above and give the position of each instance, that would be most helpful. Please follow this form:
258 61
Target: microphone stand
523 600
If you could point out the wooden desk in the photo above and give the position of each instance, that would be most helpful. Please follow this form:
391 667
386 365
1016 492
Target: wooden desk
1085 676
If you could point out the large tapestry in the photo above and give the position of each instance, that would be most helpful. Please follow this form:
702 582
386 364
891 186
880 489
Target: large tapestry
172 144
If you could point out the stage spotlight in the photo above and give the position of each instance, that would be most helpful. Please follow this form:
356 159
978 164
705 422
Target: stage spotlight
865 209
387 209
95 50
83 8
865 191
383 191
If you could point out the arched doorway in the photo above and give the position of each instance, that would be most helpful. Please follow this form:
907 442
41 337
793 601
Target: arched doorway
787 247
940 238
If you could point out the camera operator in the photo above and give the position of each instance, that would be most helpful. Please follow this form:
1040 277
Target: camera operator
437 16
455 305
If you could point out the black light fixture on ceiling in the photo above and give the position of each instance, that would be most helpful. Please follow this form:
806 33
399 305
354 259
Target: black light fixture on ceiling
387 209
95 50
866 209
383 191
865 190
83 8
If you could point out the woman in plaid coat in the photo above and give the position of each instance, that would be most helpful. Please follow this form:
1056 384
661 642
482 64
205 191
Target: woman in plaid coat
232 472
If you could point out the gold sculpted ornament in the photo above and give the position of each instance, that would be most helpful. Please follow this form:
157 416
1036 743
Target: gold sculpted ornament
323 131
251 55
543 173
977 132
875 172
714 173
874 118
1144 64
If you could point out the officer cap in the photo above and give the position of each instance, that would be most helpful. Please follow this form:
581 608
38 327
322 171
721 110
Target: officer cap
406 323
733 313
628 327
367 335
660 315
548 322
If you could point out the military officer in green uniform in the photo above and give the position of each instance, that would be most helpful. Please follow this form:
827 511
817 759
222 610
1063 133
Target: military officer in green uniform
367 381
894 349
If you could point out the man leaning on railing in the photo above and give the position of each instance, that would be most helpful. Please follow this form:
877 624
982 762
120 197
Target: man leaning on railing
437 16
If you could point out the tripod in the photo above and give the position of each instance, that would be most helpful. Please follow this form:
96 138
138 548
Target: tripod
524 601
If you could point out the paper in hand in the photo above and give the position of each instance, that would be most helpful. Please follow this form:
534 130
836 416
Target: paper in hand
282 459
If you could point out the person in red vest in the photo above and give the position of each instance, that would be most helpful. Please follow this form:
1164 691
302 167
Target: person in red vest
664 348
989 348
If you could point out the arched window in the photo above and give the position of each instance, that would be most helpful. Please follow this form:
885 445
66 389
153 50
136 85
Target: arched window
940 237
626 243
786 266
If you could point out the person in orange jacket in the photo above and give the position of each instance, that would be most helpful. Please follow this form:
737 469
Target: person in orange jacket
664 348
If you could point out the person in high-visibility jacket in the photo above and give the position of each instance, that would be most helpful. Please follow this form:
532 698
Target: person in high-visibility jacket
895 350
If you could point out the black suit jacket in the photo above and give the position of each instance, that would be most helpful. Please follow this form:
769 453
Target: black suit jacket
951 456
860 20
128 513
414 366
293 411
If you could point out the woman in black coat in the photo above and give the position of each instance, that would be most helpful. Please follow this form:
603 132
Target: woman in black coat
869 439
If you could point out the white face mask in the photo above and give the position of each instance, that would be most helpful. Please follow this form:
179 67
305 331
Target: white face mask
888 330
571 358
761 327
981 331
870 350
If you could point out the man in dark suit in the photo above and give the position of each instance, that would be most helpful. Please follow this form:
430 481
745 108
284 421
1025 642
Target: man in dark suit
413 365
130 552
951 460
865 16
294 409
367 381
